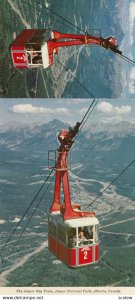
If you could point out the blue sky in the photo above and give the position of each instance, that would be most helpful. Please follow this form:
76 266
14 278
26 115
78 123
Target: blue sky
66 110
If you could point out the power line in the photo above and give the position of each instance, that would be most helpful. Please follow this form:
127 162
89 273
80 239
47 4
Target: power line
85 32
126 58
78 28
37 259
44 83
53 18
92 105
87 115
25 212
110 184
89 112
8 7
70 23
63 18
34 211
77 80
36 83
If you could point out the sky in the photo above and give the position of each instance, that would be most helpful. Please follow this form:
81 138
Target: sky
72 110
67 110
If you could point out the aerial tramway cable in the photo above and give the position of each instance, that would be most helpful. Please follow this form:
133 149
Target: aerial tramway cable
34 211
62 18
110 184
88 113
84 119
76 79
80 30
82 123
3 247
126 58
54 18
12 251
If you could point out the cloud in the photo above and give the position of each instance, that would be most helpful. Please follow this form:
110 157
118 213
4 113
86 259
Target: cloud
108 108
36 110
104 107
131 82
132 11
131 18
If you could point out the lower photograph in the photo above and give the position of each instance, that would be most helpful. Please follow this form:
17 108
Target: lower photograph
67 193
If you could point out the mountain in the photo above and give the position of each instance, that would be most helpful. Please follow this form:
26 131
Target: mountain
23 134
25 131
100 137
99 148
99 71
100 153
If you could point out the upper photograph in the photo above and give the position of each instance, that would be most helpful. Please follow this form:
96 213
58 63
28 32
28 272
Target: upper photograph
67 49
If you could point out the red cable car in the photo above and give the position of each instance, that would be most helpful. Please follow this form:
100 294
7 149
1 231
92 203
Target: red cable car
36 48
73 234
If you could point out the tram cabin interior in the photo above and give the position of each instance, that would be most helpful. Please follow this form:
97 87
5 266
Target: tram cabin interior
34 47
74 237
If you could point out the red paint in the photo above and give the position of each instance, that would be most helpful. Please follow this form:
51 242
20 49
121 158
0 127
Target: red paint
62 40
76 40
74 257
18 48
62 252
85 255
61 179
23 38
71 257
67 255
19 58
77 256
96 253
52 244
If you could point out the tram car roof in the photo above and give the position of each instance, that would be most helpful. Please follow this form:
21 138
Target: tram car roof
73 223
29 36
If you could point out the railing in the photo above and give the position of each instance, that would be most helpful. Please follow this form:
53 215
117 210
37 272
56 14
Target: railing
30 57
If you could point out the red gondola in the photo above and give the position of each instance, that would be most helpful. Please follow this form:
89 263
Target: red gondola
73 234
36 48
